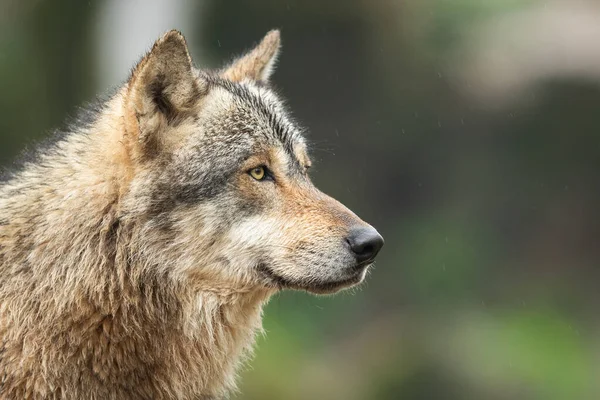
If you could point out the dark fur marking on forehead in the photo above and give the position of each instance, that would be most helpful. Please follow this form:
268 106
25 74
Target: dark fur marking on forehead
282 130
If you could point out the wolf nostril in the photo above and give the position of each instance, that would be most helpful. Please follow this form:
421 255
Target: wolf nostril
365 243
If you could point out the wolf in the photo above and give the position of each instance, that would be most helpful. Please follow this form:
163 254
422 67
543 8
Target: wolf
137 251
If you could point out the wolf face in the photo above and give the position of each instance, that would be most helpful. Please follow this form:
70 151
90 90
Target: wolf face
219 177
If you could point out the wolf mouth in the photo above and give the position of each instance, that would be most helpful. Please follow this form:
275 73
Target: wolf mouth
316 287
273 277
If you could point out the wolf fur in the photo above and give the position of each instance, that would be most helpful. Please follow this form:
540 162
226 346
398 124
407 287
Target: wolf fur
137 252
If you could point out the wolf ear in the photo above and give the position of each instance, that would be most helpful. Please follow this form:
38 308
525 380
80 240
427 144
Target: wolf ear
163 90
258 63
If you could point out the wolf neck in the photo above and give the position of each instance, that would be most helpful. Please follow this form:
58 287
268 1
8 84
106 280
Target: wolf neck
66 258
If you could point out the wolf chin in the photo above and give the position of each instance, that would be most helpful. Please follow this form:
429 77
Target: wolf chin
137 252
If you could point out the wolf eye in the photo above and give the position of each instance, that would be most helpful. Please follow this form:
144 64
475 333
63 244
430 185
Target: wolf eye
258 173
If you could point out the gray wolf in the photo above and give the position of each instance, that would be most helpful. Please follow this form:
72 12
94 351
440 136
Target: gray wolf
137 252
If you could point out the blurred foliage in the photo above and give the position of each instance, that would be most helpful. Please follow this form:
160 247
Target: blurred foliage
486 287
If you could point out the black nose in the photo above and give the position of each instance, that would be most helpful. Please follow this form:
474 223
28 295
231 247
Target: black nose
365 243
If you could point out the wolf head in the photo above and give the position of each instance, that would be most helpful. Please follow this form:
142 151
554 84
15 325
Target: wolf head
218 178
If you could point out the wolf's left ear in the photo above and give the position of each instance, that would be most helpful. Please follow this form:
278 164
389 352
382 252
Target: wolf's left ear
163 89
257 64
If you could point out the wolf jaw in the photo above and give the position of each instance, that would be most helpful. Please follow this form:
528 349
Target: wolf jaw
137 252
329 287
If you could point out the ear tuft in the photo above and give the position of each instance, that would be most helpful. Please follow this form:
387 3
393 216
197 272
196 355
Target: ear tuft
258 63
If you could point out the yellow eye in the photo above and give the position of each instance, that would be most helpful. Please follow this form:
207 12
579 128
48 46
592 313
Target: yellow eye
258 173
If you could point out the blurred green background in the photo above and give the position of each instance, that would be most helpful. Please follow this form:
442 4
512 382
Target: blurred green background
466 131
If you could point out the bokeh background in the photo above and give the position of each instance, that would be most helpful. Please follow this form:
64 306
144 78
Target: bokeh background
466 131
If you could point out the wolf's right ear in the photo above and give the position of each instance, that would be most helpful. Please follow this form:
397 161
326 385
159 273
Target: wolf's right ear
163 90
